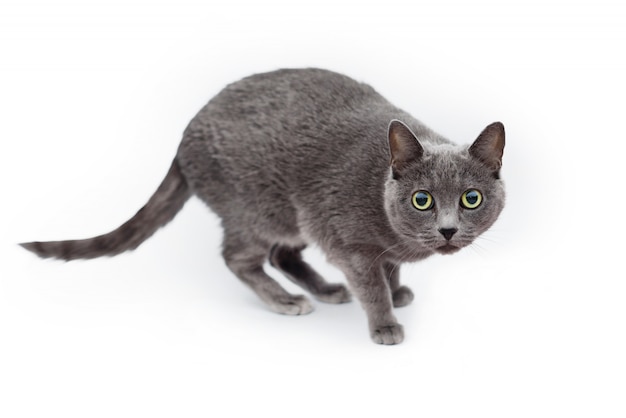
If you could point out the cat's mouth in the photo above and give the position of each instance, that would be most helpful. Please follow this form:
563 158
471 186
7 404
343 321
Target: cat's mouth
447 249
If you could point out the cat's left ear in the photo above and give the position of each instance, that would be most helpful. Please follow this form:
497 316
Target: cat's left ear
489 146
403 145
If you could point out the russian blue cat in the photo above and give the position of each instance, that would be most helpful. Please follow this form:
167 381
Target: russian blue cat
296 157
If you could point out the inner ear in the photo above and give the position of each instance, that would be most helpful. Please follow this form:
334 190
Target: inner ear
489 146
403 145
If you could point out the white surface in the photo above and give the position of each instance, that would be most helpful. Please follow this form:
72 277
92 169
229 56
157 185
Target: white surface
94 98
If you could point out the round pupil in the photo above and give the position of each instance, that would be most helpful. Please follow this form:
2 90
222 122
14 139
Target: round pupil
471 197
421 199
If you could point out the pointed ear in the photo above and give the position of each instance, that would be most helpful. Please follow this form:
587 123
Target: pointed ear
489 146
403 145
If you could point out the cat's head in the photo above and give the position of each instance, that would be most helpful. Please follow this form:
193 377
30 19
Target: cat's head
441 197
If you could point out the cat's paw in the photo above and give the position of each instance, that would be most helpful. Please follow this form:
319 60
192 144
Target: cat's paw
388 334
334 293
402 297
291 305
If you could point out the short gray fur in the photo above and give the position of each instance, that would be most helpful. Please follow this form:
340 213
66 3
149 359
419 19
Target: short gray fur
307 156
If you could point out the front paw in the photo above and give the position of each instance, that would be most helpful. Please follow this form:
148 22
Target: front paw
402 297
388 334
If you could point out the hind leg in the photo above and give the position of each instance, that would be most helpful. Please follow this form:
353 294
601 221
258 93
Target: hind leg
289 261
245 257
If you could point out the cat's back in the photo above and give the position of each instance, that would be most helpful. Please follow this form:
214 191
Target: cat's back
272 122
281 124
283 96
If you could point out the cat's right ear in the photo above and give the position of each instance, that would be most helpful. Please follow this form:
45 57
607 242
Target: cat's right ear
403 146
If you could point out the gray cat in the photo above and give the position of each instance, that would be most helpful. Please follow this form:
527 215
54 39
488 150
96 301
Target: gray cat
300 156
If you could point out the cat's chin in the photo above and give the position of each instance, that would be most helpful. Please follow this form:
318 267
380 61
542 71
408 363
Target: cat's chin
447 249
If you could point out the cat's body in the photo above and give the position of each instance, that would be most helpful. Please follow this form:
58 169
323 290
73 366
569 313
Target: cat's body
295 157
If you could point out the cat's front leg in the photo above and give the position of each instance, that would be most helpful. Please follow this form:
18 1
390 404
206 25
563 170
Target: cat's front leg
401 295
370 285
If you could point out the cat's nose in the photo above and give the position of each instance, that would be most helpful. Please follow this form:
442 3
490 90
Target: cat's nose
448 232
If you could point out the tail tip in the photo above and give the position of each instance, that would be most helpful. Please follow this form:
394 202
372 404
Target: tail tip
34 247
30 246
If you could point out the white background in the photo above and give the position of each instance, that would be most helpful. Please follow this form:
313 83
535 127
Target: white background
530 321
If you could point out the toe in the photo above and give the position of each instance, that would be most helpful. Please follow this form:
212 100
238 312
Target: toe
388 334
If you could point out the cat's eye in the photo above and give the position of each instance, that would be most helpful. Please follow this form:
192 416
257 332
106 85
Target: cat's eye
422 200
471 199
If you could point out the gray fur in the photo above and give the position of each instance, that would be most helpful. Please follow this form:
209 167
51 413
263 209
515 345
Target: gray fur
294 157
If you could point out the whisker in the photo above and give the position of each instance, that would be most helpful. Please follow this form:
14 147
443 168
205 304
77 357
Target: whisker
383 253
487 238
479 250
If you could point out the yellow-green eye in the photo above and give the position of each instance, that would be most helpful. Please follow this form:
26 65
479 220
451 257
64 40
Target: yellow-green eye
471 199
422 200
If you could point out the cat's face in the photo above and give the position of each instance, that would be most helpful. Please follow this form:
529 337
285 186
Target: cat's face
440 198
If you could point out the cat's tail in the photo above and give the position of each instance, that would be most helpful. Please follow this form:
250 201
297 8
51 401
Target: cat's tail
164 204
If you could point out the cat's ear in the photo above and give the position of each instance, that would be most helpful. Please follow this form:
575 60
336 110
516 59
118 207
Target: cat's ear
403 145
489 146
